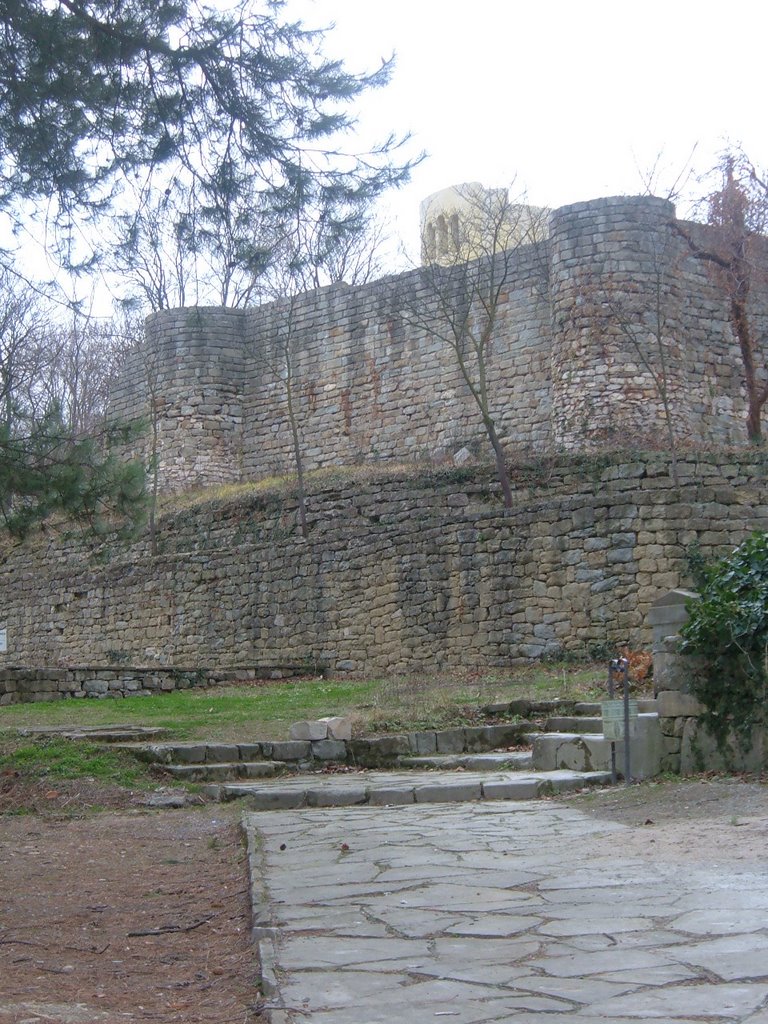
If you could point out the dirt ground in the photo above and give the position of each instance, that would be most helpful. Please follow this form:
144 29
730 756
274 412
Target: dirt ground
130 914
124 915
705 820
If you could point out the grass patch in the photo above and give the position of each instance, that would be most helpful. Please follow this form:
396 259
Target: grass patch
233 712
57 758
265 710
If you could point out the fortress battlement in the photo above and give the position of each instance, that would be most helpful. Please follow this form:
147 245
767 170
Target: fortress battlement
590 320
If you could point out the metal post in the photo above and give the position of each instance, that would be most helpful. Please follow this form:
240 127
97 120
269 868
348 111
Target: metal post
624 664
611 667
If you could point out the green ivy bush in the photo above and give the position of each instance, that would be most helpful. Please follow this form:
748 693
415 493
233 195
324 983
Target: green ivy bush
728 631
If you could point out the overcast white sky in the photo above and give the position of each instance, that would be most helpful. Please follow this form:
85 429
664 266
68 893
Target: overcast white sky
570 97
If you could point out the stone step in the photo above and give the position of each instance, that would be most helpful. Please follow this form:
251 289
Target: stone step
368 788
199 753
368 751
574 723
645 705
515 759
579 751
225 771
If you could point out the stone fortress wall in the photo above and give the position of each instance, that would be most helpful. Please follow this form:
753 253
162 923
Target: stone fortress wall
421 569
572 362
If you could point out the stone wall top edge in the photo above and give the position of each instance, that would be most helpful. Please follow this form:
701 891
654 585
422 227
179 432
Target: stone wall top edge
629 201
165 317
523 473
327 296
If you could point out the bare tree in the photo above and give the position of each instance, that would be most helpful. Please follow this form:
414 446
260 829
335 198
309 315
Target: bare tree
22 324
735 247
56 451
470 254
188 248
78 363
339 243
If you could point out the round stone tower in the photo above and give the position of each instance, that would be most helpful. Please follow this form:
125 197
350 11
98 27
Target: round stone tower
184 382
618 361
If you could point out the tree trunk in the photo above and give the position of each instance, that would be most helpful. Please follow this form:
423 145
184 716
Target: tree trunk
501 462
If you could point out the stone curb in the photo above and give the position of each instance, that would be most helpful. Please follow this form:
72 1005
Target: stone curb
263 935
421 791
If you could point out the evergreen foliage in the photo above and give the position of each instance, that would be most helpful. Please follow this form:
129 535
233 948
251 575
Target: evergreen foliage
728 630
45 471
131 108
102 95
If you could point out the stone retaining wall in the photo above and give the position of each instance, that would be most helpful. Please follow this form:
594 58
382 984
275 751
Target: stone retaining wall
397 574
20 685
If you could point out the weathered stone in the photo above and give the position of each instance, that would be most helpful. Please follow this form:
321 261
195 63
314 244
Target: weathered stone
218 752
518 789
423 743
309 730
336 797
329 750
339 728
450 741
699 751
291 750
674 704
448 791
379 750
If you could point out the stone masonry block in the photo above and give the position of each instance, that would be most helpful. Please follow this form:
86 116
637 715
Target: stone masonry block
316 730
379 750
330 750
423 743
674 704
339 727
292 750
450 741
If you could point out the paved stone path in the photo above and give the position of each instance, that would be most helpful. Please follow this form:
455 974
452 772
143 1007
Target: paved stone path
525 912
